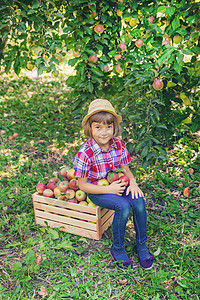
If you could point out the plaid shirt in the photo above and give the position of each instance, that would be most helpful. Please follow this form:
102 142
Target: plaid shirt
94 163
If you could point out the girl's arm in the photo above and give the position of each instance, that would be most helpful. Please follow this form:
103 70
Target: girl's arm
133 187
114 188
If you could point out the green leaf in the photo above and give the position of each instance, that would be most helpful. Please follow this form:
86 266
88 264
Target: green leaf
170 11
97 72
90 87
73 61
17 266
138 146
144 151
35 4
177 67
64 245
53 233
196 49
166 54
88 29
175 23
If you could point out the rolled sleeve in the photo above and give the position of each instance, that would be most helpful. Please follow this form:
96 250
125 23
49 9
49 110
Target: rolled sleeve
82 165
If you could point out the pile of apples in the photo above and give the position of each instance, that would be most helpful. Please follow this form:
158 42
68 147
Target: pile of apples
67 187
64 187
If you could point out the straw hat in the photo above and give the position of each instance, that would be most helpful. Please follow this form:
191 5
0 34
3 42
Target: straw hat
100 105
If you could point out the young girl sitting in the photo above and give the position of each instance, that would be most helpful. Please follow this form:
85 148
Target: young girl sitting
104 152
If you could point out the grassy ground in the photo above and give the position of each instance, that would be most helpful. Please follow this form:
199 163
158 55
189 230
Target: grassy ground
45 263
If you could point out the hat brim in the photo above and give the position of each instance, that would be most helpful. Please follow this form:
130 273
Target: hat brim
118 117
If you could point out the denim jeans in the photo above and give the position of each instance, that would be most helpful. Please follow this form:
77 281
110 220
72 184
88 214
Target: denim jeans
122 206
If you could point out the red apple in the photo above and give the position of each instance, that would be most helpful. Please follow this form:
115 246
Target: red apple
106 68
112 176
99 28
48 193
93 58
119 12
10 137
57 191
120 174
70 174
125 179
63 185
102 182
122 46
55 180
139 43
165 42
158 84
117 57
73 184
70 194
51 185
61 197
40 188
80 195
63 172
118 68
72 200
150 19
76 53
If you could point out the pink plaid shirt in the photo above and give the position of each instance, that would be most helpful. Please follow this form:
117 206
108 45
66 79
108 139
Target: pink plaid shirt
94 163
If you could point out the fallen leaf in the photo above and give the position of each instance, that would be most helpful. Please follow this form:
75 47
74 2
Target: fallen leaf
122 281
190 171
40 257
157 252
186 192
43 292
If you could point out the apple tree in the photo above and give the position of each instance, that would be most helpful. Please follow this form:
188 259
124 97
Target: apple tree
143 56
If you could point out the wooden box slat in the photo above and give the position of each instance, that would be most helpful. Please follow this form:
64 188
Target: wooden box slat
74 218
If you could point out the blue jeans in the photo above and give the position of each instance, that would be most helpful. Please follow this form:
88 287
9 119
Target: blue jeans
122 206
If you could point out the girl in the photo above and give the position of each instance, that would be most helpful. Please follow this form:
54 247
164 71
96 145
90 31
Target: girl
104 152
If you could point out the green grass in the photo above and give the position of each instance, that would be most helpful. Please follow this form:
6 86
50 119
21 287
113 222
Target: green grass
40 111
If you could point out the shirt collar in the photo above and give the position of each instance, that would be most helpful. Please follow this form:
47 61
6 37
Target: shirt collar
97 149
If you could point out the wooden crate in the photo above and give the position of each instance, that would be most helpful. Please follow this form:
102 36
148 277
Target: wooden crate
74 218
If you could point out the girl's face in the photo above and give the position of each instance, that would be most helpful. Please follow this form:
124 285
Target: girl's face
102 133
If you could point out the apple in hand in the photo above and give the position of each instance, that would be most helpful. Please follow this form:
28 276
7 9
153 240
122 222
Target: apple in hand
102 182
70 194
48 193
80 195
125 179
40 187
112 176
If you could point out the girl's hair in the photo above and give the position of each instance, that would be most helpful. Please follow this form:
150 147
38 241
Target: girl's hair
102 117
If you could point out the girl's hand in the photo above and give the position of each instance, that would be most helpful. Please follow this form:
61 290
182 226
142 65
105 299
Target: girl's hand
135 190
117 187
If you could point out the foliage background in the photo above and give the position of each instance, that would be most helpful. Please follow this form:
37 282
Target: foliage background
41 34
